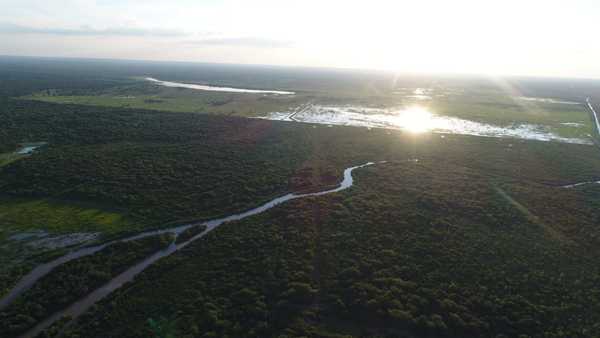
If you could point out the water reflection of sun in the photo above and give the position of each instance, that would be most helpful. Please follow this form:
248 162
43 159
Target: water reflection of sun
415 119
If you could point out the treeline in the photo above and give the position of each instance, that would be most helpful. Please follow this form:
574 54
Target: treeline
60 124
69 282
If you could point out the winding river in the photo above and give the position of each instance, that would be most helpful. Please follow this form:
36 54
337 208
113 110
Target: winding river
79 307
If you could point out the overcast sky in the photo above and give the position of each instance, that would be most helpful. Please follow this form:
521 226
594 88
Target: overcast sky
510 37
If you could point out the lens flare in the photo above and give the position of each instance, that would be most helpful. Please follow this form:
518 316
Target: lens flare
416 120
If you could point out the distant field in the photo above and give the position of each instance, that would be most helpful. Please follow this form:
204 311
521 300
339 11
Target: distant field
141 94
181 100
504 110
491 106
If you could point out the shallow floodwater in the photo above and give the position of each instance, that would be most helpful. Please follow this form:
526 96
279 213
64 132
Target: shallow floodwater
216 89
63 241
547 100
411 120
575 185
594 113
85 303
27 150
574 124
420 94
597 124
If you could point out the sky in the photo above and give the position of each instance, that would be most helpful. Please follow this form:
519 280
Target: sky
488 37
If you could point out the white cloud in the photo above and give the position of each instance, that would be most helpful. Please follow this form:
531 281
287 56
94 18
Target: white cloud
241 42
8 28
531 37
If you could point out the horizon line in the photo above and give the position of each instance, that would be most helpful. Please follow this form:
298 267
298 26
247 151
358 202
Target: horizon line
308 67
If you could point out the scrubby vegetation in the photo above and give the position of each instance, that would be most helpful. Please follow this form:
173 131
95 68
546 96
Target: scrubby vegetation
189 233
160 162
415 249
73 280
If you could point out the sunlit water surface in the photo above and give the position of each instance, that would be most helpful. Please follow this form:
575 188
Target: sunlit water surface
215 88
414 119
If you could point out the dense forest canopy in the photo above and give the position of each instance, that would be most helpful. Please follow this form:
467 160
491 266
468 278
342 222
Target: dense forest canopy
453 236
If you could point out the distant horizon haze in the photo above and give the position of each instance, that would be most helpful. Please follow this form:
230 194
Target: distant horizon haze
498 38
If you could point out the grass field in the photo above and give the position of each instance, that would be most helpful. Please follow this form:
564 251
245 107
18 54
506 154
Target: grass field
56 217
7 158
148 96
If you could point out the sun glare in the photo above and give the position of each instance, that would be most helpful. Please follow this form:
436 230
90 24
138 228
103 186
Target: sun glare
416 120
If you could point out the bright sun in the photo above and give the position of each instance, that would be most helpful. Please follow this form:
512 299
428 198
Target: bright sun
415 119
